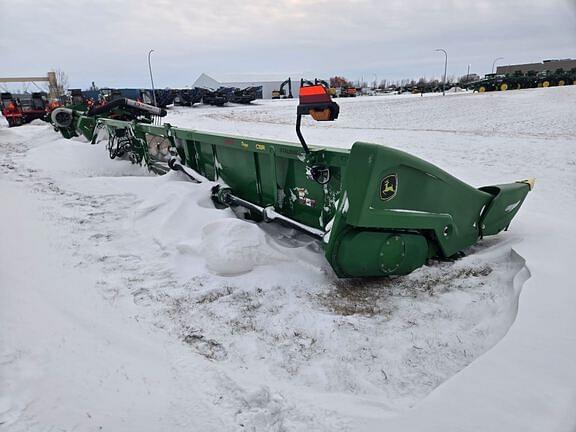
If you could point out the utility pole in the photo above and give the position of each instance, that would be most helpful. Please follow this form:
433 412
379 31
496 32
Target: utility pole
151 78
445 69
494 62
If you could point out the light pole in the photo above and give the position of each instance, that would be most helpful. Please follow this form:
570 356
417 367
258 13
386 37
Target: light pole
151 79
494 62
445 69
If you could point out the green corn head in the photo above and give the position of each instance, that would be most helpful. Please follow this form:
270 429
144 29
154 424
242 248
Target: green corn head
377 211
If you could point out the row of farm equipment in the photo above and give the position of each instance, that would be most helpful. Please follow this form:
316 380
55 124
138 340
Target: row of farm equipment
375 210
497 82
24 108
219 97
519 80
181 97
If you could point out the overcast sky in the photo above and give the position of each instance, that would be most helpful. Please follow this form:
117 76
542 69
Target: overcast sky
107 41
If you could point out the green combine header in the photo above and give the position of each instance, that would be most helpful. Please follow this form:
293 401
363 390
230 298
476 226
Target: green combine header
377 211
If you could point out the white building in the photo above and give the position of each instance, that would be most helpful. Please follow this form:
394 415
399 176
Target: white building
268 82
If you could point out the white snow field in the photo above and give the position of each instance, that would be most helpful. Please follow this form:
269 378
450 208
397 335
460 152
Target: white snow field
129 303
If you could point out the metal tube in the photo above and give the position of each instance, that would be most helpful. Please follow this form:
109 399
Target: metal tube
145 107
269 214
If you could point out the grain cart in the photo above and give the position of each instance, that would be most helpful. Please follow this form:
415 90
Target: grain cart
376 210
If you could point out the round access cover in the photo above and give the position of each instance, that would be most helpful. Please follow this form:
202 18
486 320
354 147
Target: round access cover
392 253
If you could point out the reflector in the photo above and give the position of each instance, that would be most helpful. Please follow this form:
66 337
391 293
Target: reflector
314 94
315 100
321 115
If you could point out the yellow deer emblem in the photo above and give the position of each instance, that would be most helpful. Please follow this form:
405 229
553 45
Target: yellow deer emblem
388 187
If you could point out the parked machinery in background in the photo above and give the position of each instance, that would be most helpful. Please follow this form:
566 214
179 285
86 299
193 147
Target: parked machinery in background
188 97
559 77
281 93
37 106
215 97
332 91
242 96
164 97
109 95
11 109
23 108
520 80
490 82
77 99
348 91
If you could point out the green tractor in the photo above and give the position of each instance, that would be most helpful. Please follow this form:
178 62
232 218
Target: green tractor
560 77
376 210
490 82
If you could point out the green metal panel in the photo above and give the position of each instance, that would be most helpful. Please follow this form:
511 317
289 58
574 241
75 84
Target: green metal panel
206 160
266 172
503 207
426 197
85 126
266 177
238 169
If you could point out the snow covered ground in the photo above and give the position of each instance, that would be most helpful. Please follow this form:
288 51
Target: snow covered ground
128 303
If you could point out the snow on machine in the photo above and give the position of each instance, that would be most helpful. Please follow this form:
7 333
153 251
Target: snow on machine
376 210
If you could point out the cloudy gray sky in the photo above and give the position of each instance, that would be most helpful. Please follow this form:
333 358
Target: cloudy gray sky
108 41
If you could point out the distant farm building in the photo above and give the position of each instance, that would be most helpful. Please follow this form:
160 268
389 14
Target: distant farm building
546 65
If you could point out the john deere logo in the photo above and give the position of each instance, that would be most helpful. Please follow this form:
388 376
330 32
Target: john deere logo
388 187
